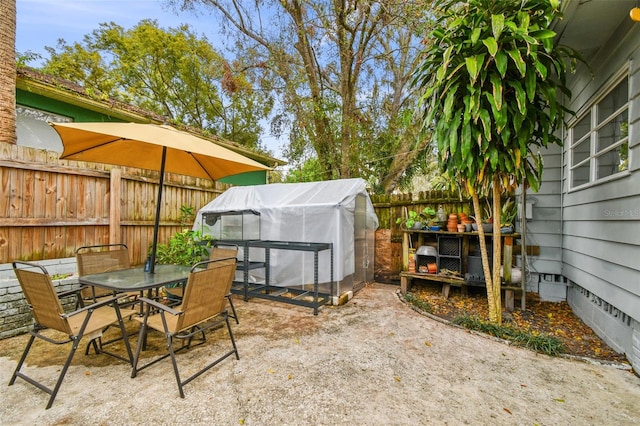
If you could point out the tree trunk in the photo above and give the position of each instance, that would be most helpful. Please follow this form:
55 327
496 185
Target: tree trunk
8 72
497 250
494 311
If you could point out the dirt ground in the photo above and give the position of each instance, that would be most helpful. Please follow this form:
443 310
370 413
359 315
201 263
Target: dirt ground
372 361
555 319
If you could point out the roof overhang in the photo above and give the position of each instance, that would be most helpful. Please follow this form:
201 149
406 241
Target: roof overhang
50 87
587 24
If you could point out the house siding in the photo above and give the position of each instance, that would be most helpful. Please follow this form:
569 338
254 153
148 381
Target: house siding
544 230
601 222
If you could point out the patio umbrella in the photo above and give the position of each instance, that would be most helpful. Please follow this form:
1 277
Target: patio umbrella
152 147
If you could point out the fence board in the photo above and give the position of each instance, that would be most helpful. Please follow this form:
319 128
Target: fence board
49 207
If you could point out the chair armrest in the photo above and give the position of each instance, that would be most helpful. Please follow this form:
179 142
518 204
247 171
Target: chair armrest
67 293
159 306
97 305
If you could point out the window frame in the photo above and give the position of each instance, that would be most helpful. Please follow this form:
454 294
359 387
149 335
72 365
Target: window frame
591 135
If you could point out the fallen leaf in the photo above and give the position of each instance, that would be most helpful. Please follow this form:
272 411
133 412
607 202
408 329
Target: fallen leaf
507 410
559 400
427 344
397 379
270 371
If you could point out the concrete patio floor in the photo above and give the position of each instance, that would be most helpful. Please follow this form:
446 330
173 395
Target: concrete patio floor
372 361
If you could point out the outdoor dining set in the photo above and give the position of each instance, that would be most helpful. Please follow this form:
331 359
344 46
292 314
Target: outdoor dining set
112 292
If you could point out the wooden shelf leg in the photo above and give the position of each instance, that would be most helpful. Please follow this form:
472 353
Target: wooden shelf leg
509 300
445 290
405 284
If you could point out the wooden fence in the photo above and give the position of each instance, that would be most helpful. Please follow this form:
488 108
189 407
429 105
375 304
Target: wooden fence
388 252
50 207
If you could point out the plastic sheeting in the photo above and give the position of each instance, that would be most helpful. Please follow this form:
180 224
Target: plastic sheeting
338 212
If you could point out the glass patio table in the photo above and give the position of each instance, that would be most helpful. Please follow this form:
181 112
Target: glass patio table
136 279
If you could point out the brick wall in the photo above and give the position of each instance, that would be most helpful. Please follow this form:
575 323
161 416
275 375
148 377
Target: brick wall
15 317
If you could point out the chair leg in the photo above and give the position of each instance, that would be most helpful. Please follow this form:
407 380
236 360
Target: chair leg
125 337
136 358
192 333
95 347
54 392
24 356
233 341
233 309
175 364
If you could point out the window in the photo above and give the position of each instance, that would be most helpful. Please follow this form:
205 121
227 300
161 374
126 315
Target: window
599 139
33 130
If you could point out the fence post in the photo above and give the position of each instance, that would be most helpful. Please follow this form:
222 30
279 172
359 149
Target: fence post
115 188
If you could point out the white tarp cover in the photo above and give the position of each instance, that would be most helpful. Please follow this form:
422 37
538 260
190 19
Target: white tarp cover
307 212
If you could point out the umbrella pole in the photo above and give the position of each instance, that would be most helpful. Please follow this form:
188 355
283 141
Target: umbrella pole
159 204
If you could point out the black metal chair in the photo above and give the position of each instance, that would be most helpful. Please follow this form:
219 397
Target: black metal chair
227 252
104 258
203 307
87 322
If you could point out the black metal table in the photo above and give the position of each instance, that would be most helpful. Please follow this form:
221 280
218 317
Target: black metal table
136 279
290 295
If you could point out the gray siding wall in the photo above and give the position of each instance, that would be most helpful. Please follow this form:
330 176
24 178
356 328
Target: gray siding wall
601 223
544 230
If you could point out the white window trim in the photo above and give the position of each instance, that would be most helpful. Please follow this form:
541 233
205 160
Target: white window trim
592 109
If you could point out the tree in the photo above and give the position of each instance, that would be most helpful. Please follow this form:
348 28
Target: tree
171 72
8 72
342 73
492 83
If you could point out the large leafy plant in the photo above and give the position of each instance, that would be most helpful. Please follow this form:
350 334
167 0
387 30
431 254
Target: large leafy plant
186 247
492 81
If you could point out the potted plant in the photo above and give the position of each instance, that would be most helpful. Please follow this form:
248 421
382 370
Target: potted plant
507 216
417 220
487 220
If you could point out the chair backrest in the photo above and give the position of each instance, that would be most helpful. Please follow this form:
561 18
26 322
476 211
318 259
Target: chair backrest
224 256
41 296
220 252
101 258
206 291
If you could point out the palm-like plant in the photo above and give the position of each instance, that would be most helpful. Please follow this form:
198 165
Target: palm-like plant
492 80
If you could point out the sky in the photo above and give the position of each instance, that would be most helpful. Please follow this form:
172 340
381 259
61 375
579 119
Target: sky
41 23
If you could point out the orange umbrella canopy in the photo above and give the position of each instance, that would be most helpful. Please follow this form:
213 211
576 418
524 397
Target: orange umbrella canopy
141 145
151 147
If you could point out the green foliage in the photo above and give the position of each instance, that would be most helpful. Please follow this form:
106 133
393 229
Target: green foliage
55 277
341 72
186 247
23 59
545 344
490 80
423 305
308 171
171 72
424 216
508 212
